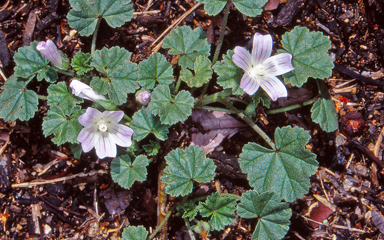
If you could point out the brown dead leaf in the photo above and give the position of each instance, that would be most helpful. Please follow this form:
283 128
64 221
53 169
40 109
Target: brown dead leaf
378 220
271 5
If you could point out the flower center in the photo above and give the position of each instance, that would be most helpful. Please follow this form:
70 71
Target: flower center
257 71
102 126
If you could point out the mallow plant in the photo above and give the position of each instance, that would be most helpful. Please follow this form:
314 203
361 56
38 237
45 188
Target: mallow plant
88 110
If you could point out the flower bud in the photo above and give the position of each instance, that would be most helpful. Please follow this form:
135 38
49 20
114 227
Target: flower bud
143 97
82 90
49 50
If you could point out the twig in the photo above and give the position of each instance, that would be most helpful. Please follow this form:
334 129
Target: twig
366 151
378 143
334 225
177 22
357 76
42 181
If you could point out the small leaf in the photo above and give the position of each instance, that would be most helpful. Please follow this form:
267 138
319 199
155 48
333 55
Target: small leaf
250 8
85 13
125 173
135 233
49 74
58 95
121 74
190 210
152 149
16 102
229 74
63 124
310 57
221 210
285 170
100 85
29 61
171 109
213 7
203 72
76 150
184 166
80 63
155 68
324 113
261 97
273 215
188 43
144 123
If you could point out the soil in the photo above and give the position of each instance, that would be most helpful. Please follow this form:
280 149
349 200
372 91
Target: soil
91 206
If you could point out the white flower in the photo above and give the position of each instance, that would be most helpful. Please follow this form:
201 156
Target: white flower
143 97
82 90
261 69
102 132
49 50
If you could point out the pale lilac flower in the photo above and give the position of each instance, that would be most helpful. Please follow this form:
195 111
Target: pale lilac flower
102 132
143 97
261 69
49 50
82 90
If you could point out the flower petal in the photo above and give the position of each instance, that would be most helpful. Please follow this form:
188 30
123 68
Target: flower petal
49 50
113 116
248 84
273 87
278 64
242 58
90 116
262 48
87 138
121 135
105 147
82 90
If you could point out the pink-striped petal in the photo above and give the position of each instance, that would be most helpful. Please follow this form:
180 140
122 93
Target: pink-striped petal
90 116
248 84
105 147
262 48
121 135
242 58
278 64
113 116
87 137
273 87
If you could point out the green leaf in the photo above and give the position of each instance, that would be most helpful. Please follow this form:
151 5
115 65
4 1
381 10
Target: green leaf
221 210
152 149
80 63
184 166
58 95
213 7
63 124
85 13
29 61
250 8
47 73
310 56
135 233
190 210
100 85
273 215
261 97
229 74
285 170
125 173
17 102
76 150
202 72
188 43
121 74
144 123
201 228
155 68
324 113
171 109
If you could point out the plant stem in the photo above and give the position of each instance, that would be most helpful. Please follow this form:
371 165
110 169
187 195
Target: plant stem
294 106
216 97
158 228
41 97
93 47
219 43
238 100
250 123
191 235
64 72
230 195
217 109
177 85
